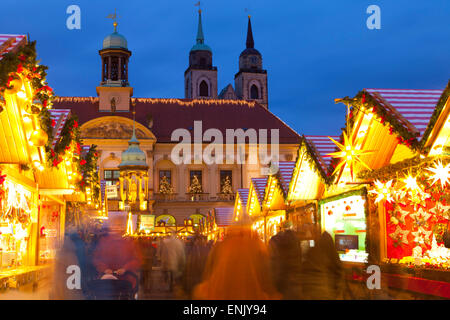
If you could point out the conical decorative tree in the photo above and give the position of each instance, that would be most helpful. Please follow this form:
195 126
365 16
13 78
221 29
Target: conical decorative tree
195 186
164 186
226 186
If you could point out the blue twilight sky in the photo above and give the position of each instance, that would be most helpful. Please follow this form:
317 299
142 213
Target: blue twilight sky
314 50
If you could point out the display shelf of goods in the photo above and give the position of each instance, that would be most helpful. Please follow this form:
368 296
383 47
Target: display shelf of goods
417 207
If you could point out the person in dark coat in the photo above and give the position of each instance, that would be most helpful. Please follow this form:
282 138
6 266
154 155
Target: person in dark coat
196 256
286 258
322 273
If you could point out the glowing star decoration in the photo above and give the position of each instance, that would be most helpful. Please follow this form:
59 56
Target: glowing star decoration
422 235
411 183
440 173
383 191
349 154
399 215
420 217
412 188
400 235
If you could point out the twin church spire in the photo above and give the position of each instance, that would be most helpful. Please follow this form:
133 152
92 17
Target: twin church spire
250 82
201 75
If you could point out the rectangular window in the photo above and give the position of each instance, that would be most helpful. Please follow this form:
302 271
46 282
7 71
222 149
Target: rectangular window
111 177
226 181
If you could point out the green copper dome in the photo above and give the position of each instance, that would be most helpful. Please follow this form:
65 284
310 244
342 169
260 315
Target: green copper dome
200 45
133 156
115 40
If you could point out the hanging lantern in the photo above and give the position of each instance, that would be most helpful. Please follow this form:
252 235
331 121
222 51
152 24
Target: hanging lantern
39 138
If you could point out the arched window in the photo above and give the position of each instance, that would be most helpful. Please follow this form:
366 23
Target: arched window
254 94
204 90
196 218
166 220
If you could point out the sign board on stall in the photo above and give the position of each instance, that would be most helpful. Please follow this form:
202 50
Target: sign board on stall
111 192
147 222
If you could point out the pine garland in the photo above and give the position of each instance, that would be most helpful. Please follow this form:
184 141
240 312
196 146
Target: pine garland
365 102
312 157
437 112
24 63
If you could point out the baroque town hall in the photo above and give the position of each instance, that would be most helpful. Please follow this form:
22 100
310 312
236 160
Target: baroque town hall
107 121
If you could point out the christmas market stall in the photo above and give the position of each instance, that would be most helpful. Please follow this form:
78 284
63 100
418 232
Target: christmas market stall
223 218
273 204
254 206
408 194
307 185
240 204
39 163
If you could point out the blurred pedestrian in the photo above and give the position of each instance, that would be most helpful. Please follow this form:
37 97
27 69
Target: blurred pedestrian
172 260
148 252
322 273
197 251
237 269
117 255
70 258
286 260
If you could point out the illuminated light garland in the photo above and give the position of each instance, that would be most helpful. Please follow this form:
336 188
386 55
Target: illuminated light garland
190 103
348 154
440 173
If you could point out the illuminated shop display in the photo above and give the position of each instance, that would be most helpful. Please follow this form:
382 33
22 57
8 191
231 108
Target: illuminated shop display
49 231
15 222
344 217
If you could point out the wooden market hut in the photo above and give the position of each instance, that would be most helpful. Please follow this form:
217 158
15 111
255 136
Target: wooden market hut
240 204
406 132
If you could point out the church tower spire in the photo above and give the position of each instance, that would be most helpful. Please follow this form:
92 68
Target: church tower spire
250 43
200 78
251 81
200 36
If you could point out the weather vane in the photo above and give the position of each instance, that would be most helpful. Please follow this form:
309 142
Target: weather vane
247 11
114 17
199 6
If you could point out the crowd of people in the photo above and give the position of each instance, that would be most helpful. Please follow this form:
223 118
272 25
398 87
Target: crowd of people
240 267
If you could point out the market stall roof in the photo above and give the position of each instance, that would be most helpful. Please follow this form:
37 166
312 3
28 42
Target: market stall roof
224 216
324 146
414 106
60 117
243 195
55 180
259 185
11 43
286 168
437 134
